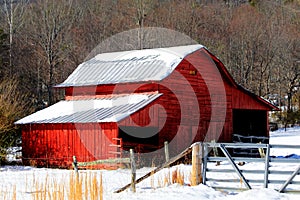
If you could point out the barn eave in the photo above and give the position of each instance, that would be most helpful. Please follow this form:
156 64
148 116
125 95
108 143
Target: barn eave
99 110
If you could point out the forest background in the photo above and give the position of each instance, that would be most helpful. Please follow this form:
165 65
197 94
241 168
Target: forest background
43 41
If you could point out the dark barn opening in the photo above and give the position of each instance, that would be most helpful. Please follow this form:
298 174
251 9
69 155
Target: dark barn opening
142 139
249 126
250 122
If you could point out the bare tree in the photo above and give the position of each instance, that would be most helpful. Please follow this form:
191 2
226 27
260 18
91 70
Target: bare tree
13 14
3 53
49 29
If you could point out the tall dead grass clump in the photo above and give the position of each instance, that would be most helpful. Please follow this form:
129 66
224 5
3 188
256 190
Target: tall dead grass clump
75 187
86 186
177 177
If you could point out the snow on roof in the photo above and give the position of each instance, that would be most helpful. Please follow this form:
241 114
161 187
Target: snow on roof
107 109
129 66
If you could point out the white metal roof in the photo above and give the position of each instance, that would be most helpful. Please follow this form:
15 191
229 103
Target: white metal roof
129 66
107 109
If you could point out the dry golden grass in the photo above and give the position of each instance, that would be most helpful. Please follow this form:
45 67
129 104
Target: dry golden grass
177 177
172 177
83 186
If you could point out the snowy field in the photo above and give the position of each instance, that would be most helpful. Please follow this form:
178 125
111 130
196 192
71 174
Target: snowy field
22 183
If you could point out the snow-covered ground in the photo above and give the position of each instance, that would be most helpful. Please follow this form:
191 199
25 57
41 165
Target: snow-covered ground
289 137
23 181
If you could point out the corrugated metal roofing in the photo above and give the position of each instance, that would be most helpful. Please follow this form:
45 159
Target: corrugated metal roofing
107 109
129 66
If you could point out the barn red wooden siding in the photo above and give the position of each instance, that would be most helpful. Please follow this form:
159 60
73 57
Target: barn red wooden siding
55 144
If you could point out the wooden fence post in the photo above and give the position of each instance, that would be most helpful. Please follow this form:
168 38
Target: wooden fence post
204 165
167 155
197 153
133 170
75 164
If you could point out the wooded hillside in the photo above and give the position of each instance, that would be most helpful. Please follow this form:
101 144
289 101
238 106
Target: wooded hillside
43 41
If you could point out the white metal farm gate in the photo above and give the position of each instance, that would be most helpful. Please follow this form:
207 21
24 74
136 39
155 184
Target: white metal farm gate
279 173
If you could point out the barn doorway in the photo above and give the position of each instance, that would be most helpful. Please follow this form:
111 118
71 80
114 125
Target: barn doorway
250 122
141 139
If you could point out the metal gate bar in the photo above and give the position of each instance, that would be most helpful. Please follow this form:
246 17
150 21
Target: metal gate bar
234 166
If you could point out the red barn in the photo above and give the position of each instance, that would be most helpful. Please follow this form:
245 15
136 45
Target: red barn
140 99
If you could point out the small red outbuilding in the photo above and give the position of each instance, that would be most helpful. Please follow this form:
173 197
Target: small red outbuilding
140 99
